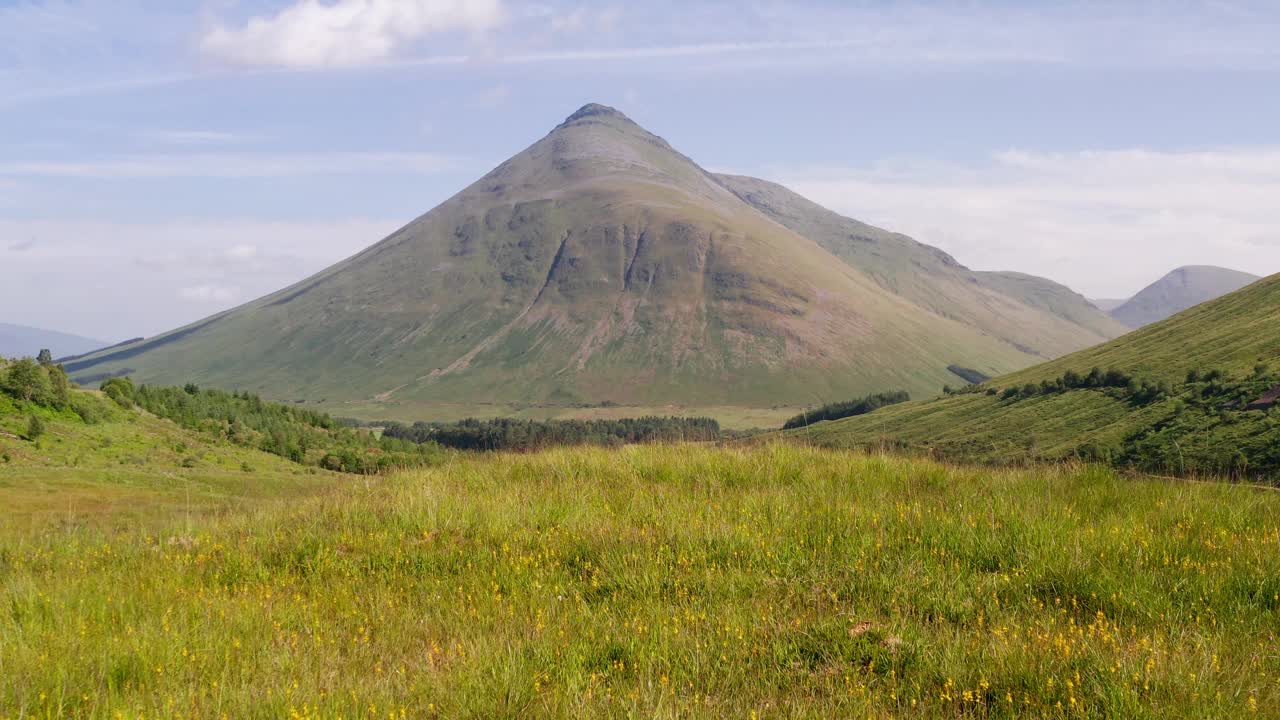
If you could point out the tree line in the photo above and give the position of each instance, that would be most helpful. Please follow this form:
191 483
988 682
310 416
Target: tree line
511 434
304 436
848 408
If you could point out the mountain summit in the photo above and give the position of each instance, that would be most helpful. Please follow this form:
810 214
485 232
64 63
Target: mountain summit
599 265
1182 288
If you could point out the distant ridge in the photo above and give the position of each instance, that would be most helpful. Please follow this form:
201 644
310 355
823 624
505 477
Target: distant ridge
1180 289
24 341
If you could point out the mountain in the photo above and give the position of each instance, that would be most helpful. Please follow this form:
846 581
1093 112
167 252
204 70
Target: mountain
1179 399
23 341
600 265
1108 304
1036 315
1179 290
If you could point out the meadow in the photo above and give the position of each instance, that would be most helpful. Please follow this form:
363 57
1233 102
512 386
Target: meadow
658 581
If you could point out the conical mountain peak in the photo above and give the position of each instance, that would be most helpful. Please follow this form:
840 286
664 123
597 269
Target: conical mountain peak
598 111
597 264
594 116
599 148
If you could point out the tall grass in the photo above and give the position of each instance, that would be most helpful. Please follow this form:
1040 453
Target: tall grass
666 581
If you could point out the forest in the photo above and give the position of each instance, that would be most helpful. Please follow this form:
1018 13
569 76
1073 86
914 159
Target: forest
509 434
849 408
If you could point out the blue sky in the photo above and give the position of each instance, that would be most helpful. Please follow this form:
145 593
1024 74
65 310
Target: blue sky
163 160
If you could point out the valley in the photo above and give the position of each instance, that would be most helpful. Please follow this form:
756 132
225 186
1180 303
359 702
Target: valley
502 360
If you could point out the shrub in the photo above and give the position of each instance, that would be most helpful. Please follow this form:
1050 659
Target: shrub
35 428
26 380
119 389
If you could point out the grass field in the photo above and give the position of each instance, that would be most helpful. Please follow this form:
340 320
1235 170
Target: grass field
665 581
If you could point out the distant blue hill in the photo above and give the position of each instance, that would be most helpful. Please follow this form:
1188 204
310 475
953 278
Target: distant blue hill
23 341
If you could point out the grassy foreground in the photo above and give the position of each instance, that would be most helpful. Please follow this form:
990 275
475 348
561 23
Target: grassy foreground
668 581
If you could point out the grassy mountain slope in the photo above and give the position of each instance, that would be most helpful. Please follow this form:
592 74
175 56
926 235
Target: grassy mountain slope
126 467
599 265
1183 288
1197 425
1038 315
23 341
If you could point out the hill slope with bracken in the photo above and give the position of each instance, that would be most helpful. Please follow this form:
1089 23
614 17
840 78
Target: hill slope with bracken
597 266
1192 393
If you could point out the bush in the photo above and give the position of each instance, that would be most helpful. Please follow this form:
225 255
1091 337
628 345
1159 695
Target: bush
26 380
35 428
119 389
90 410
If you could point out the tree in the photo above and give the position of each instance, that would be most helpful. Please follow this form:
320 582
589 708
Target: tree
59 385
119 389
35 428
26 380
45 357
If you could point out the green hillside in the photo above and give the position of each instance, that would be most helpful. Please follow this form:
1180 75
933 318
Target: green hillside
1177 405
126 451
599 267
94 463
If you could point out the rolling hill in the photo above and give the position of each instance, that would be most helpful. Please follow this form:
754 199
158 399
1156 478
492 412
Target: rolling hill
1179 290
1178 402
23 341
1032 313
602 267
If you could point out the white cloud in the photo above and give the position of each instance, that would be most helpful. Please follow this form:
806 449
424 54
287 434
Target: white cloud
233 165
310 33
242 251
210 293
114 279
1104 222
582 18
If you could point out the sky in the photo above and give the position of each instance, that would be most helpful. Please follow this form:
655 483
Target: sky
162 160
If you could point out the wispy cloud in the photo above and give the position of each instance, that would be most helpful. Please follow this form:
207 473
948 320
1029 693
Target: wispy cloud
98 47
197 137
1135 212
113 277
210 293
232 165
345 33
